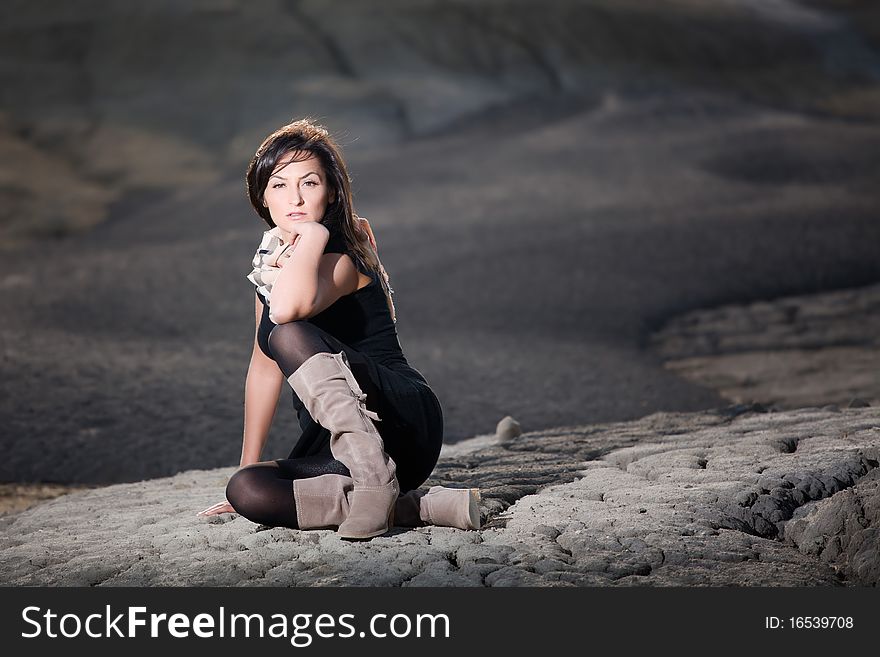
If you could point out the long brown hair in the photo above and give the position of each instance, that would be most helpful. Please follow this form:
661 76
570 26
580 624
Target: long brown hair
307 138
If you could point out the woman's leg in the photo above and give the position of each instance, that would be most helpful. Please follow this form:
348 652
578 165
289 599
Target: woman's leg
264 492
293 343
314 492
325 383
258 493
411 422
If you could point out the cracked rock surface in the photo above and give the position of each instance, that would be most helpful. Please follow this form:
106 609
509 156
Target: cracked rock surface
790 352
735 496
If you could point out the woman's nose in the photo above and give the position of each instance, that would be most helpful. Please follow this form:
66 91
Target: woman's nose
296 198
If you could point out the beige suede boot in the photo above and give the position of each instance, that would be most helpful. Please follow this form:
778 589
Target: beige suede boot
440 506
328 389
322 502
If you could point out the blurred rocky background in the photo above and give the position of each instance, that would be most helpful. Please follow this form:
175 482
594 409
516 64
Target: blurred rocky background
108 102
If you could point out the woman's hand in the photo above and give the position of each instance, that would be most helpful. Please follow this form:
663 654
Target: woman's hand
298 228
217 509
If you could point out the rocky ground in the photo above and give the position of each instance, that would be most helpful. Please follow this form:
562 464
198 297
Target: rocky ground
740 497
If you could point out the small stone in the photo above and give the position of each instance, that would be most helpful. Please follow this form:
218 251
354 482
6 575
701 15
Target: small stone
546 530
507 429
858 402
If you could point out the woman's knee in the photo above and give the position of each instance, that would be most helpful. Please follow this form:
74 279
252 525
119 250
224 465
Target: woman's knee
235 487
244 488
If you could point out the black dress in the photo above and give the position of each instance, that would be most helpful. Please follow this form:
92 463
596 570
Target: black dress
411 419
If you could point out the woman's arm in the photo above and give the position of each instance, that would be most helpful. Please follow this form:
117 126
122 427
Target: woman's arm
262 389
310 281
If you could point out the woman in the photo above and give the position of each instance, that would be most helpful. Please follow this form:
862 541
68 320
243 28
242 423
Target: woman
325 323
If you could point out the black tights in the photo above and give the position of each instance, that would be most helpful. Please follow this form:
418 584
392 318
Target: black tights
263 492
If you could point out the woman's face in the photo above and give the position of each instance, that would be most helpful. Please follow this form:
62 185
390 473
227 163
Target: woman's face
296 191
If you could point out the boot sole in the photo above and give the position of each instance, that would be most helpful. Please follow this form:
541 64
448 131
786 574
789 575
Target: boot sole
364 537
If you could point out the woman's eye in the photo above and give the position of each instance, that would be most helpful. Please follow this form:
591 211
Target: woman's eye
310 182
277 185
